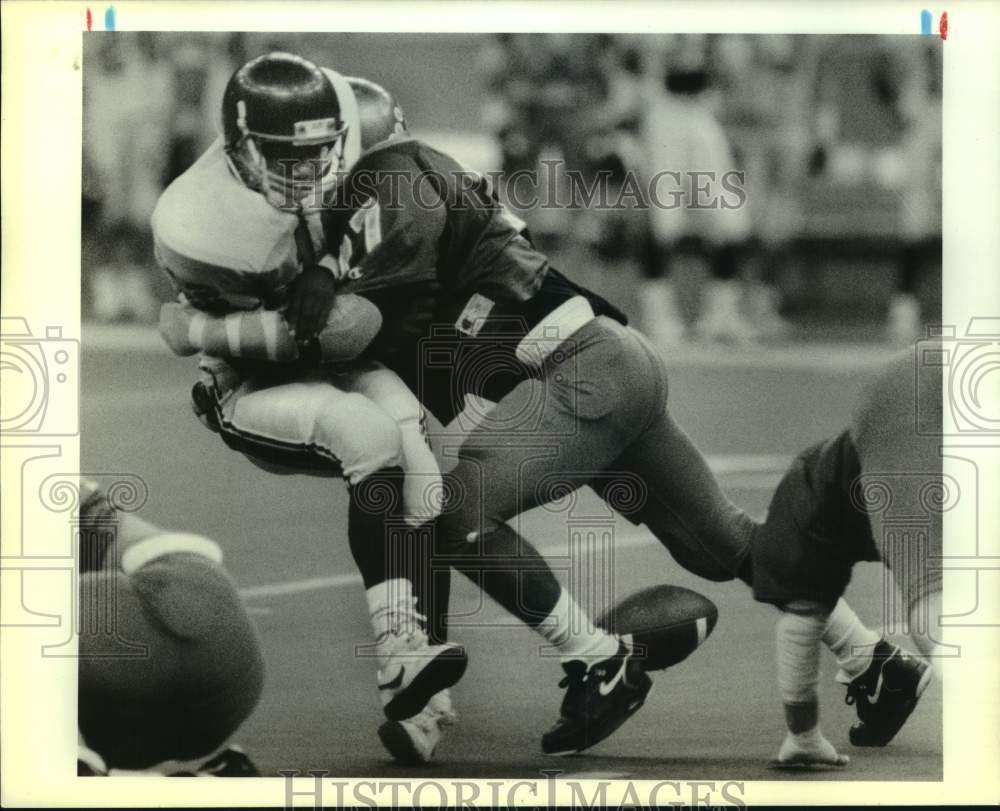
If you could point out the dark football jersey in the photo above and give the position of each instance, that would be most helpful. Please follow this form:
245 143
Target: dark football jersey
452 271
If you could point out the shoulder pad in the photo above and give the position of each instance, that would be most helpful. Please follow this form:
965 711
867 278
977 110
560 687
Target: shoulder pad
207 216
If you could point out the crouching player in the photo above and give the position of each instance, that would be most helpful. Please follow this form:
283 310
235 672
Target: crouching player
170 664
822 520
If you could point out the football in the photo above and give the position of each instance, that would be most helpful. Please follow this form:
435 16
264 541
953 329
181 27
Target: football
667 623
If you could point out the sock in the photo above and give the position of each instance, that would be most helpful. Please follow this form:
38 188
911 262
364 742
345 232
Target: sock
391 610
850 641
574 634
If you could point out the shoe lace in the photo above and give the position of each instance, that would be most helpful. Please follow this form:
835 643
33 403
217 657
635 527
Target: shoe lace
576 675
404 625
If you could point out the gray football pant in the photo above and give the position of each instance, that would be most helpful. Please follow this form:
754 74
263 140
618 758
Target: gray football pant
597 416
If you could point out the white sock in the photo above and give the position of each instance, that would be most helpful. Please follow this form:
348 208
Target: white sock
388 603
574 634
850 641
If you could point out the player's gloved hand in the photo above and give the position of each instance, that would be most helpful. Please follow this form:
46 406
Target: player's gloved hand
310 300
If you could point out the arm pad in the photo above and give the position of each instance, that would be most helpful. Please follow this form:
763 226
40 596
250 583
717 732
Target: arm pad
263 334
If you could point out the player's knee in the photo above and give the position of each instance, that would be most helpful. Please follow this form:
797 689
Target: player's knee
463 521
362 436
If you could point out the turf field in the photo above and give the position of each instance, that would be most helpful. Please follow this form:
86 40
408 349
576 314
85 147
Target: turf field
714 716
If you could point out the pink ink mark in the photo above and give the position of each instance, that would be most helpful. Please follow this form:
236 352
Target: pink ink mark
943 25
90 20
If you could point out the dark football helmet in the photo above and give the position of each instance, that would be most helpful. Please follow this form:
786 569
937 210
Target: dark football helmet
284 129
380 115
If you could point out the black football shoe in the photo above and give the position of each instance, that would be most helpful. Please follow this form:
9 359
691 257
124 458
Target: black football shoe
886 693
598 700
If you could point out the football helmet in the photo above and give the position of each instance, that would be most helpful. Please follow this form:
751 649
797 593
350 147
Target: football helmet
380 115
286 126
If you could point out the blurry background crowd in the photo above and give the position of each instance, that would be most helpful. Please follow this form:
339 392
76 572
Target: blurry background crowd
838 139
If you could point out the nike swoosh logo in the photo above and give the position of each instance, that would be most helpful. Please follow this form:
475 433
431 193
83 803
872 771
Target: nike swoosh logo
396 682
873 698
605 688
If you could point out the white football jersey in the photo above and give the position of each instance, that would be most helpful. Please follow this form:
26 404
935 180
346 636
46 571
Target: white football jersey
224 246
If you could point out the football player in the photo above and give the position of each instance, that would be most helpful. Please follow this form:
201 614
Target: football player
170 664
469 307
829 512
239 233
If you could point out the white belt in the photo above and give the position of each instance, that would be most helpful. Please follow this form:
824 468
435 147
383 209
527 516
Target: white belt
552 330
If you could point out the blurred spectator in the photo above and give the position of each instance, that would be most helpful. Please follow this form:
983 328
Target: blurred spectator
127 102
907 79
150 109
696 236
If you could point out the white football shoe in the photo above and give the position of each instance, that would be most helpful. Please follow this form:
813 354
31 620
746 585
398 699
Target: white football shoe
412 742
411 669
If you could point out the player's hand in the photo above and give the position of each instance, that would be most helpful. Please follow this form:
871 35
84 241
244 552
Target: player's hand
310 299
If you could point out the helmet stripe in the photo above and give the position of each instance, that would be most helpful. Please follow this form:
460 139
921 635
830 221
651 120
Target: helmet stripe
349 114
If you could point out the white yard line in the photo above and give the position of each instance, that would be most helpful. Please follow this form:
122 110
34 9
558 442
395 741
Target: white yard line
759 471
824 357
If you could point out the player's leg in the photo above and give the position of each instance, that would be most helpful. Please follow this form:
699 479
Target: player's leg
543 437
422 484
799 629
320 428
896 460
413 740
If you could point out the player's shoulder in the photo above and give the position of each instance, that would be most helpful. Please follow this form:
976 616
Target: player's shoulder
403 152
208 216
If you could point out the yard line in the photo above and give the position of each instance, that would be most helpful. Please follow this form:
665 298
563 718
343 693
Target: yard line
823 357
629 539
594 775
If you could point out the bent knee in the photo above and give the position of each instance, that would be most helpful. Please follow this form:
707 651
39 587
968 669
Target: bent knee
360 435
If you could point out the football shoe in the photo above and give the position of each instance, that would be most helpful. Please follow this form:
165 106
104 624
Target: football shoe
412 742
413 670
886 693
598 700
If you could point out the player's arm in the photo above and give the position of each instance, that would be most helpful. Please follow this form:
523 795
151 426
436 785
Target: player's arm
350 326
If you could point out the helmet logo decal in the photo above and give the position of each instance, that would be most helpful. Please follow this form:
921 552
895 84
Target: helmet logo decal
317 129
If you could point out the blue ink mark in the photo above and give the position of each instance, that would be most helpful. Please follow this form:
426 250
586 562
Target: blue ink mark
926 18
109 18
